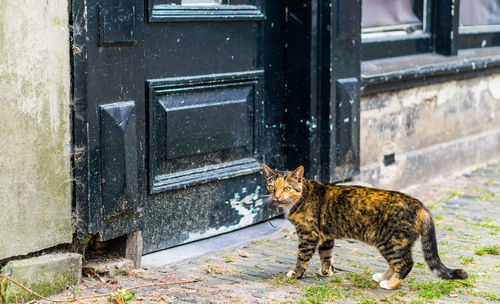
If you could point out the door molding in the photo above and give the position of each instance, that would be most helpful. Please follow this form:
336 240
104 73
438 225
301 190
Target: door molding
175 113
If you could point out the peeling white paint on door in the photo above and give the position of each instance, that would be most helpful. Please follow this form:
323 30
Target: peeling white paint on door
248 208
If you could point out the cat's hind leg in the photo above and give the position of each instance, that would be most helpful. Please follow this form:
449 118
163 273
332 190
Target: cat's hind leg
401 266
392 283
379 277
325 249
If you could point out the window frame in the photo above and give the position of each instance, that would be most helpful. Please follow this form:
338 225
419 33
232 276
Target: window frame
442 34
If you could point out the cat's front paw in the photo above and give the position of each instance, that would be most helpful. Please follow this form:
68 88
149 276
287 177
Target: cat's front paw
294 274
326 272
291 274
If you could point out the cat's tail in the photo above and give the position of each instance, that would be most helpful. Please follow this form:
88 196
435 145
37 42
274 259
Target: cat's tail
429 247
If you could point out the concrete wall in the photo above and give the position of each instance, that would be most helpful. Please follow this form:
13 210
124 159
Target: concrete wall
35 180
433 130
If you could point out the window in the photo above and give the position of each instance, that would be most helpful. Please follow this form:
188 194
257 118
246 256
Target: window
383 18
479 12
479 23
393 28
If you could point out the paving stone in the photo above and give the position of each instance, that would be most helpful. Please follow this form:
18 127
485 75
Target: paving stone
103 291
47 274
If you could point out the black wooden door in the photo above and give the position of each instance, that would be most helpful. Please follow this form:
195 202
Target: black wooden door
205 80
178 102
173 117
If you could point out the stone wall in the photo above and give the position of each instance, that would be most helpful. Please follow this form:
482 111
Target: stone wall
35 179
432 130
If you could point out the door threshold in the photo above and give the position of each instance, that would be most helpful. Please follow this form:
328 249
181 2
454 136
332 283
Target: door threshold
216 243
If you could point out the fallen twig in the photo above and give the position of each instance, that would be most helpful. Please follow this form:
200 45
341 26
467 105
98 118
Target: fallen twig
93 296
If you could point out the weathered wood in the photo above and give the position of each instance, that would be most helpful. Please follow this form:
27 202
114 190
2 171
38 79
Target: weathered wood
133 248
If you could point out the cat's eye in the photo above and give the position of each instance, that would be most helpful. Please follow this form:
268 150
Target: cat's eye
271 188
286 189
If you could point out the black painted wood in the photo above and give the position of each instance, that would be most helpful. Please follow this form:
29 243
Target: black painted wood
177 107
119 179
346 152
343 153
182 125
394 47
321 50
170 117
478 39
107 75
117 22
445 26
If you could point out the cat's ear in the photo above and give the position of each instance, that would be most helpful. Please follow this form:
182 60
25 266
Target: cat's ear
268 171
298 173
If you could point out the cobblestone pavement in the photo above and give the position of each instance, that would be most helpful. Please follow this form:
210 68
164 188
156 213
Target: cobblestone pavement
467 214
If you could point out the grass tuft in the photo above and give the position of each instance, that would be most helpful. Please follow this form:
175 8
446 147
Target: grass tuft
494 250
362 280
466 260
438 289
321 294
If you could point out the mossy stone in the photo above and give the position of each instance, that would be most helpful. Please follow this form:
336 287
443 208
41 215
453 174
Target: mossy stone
46 275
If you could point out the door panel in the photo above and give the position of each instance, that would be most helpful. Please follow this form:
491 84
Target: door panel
119 178
187 214
204 76
203 129
201 48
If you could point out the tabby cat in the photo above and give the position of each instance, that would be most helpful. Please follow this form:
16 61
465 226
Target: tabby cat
391 221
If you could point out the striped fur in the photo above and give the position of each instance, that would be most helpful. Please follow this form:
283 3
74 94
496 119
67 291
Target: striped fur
389 220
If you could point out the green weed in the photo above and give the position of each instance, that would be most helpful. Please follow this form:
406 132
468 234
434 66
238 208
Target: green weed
482 294
321 294
121 296
361 280
438 289
465 260
369 300
486 196
451 195
260 241
281 279
486 225
494 250
336 280
491 181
